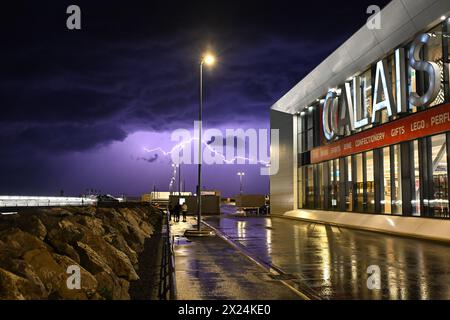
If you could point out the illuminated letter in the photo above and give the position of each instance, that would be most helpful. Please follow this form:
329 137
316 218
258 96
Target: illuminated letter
328 105
434 79
400 79
346 121
360 118
387 90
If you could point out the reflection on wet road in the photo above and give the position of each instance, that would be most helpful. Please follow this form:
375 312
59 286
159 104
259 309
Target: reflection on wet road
210 268
333 261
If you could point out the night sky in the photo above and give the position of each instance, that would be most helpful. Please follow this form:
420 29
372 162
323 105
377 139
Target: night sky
78 107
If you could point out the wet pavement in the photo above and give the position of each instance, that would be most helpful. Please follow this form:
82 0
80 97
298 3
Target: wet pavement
332 262
210 268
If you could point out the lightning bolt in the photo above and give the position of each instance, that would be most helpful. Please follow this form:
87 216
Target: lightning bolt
181 145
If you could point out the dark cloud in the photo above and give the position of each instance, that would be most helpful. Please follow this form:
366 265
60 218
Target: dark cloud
149 160
134 66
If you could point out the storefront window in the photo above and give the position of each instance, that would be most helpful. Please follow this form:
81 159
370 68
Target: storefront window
386 201
349 188
301 187
310 187
415 200
321 185
396 183
306 127
334 178
370 184
439 203
359 182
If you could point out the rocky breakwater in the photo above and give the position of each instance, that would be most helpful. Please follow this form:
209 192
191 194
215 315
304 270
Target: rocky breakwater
39 248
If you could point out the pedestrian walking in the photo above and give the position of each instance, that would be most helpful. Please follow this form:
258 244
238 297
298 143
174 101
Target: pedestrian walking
176 212
184 209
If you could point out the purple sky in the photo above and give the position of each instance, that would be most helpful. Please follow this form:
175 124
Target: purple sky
77 107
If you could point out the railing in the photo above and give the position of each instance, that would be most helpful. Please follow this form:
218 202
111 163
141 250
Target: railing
167 284
32 201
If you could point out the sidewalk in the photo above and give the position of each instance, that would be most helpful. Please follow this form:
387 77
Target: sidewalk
210 269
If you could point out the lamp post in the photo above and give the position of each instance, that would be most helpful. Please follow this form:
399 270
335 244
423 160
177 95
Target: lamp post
209 60
240 174
178 167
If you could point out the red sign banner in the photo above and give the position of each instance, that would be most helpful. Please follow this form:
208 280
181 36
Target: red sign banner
418 125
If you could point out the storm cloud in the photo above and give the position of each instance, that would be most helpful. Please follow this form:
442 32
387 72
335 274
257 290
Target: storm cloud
134 67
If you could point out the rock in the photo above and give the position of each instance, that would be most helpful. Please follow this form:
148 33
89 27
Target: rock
52 275
88 211
64 249
59 212
111 287
18 242
88 282
66 231
34 226
116 259
13 287
136 238
130 217
91 260
119 243
93 224
146 228
24 270
37 247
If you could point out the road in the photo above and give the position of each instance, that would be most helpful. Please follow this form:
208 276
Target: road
332 262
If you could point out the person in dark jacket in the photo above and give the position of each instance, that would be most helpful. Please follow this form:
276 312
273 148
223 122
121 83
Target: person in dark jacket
176 212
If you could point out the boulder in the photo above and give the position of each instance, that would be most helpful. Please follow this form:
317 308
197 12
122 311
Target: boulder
112 287
116 259
119 243
64 249
88 282
34 226
18 242
14 287
52 275
95 225
91 260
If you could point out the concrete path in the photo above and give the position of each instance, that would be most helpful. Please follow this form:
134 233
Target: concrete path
210 268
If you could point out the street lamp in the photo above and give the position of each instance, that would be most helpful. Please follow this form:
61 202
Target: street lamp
209 60
240 174
178 167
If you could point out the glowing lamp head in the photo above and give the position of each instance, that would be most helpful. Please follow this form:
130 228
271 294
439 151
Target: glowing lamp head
209 59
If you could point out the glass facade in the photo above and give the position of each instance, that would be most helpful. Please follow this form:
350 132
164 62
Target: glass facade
439 199
356 187
409 178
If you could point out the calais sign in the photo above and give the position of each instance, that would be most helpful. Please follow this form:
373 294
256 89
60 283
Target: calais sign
421 124
345 110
